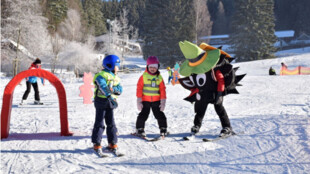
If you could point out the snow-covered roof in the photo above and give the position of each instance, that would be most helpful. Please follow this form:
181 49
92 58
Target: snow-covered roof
285 33
20 47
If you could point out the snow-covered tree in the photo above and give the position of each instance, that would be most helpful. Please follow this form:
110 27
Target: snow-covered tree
71 27
118 35
23 23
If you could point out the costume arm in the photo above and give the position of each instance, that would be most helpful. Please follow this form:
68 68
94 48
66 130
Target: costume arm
220 81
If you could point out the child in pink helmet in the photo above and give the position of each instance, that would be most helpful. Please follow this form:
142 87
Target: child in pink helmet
151 94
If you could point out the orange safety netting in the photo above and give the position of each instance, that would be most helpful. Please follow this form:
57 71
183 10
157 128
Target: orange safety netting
297 71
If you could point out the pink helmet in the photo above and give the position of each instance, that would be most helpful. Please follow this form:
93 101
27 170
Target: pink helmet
152 60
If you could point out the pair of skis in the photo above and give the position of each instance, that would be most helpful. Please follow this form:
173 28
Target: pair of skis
159 137
101 153
192 136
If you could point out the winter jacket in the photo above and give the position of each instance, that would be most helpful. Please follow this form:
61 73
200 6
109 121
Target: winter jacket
33 79
151 88
106 84
170 72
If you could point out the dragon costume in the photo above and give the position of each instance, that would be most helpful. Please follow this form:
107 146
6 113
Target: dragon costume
209 76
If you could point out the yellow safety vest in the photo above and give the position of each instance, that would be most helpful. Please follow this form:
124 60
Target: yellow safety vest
151 84
111 81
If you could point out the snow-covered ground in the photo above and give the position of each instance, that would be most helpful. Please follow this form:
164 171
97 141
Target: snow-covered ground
271 115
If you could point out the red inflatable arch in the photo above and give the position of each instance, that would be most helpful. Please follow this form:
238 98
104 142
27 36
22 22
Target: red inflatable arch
8 98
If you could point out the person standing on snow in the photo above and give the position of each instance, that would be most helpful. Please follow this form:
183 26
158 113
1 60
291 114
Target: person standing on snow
151 94
170 74
107 88
32 81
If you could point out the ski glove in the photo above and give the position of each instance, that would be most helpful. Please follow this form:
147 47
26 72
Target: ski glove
117 90
139 104
162 105
218 98
112 102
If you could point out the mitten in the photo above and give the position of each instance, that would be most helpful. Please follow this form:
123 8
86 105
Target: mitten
139 104
112 102
162 104
218 98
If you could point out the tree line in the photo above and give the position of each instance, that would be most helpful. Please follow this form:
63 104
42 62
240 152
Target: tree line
159 24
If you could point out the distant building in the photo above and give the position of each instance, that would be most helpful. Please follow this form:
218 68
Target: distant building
283 37
118 44
302 39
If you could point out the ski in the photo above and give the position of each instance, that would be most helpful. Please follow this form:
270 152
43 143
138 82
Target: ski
142 137
24 104
100 154
218 138
115 152
190 137
159 137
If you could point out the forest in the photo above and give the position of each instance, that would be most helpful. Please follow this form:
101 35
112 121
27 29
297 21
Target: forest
69 33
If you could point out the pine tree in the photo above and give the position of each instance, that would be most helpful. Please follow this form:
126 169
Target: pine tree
96 20
220 24
165 24
56 12
253 25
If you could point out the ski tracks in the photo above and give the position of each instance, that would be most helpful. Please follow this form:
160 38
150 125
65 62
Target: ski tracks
12 163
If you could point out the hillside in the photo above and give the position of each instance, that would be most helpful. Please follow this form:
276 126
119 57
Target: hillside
271 115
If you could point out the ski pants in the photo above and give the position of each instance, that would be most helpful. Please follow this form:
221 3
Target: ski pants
169 79
104 113
200 110
36 90
144 114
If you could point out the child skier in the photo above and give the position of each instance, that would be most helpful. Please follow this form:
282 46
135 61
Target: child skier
170 74
107 88
151 94
32 81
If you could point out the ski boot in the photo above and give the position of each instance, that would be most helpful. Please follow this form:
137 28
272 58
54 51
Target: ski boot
226 131
112 146
22 102
98 148
37 102
163 132
140 132
195 129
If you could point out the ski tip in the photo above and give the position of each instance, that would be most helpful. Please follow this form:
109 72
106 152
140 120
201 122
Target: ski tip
185 138
120 155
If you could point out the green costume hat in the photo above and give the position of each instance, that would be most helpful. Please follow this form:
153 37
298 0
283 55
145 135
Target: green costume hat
197 60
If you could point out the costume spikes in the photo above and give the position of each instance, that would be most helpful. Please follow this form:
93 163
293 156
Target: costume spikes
232 91
239 78
231 59
236 68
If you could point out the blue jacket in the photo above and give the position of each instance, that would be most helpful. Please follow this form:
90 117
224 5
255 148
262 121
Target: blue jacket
103 85
33 79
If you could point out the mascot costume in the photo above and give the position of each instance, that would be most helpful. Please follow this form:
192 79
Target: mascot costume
209 76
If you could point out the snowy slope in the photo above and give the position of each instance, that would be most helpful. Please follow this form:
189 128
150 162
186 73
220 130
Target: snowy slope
272 115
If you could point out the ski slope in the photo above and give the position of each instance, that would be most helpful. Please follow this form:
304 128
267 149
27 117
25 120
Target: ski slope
271 115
